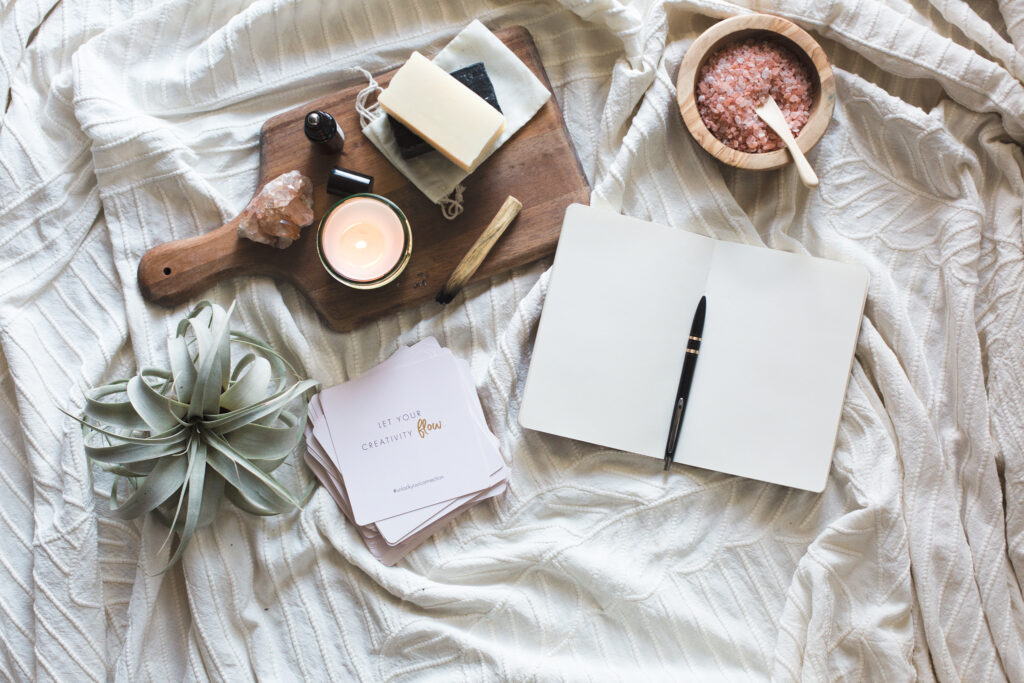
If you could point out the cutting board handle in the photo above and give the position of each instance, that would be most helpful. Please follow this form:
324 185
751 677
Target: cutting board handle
174 272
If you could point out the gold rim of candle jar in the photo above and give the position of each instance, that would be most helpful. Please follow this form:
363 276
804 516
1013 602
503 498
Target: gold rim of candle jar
390 276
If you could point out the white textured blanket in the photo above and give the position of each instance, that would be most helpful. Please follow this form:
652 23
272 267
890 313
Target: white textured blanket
129 123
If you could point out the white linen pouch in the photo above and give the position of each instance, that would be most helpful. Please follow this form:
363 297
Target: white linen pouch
520 95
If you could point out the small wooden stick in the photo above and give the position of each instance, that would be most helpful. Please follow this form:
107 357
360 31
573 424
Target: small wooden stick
478 252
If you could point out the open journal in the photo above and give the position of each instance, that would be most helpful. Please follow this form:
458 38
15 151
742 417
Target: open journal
777 348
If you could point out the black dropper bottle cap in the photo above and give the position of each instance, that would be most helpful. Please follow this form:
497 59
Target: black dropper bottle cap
344 182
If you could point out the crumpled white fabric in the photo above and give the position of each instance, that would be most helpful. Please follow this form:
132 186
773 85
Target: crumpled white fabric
520 95
126 124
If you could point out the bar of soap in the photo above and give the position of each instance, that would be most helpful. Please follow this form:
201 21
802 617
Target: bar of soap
473 77
453 119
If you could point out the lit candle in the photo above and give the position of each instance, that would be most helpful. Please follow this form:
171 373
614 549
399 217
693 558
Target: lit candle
364 241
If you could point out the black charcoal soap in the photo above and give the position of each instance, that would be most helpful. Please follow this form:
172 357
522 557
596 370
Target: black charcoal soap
473 77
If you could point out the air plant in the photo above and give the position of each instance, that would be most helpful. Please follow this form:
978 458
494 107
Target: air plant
209 427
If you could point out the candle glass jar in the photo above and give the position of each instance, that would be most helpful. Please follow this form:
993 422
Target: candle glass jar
364 241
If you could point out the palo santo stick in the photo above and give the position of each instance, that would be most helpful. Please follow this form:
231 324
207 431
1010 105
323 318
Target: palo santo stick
478 252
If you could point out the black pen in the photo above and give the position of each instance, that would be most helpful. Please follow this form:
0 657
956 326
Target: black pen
685 380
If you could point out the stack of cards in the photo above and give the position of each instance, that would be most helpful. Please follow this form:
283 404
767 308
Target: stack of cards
404 448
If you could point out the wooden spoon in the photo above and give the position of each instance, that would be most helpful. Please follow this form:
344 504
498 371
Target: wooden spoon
771 114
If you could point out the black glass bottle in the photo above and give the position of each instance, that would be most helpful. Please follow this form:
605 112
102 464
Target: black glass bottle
323 131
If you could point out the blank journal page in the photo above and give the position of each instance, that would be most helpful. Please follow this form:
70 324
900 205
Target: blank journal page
774 363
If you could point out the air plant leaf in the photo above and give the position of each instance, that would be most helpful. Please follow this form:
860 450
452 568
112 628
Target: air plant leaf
194 489
155 410
241 502
250 386
214 359
213 492
237 419
182 368
258 442
244 486
130 453
207 429
249 474
116 413
160 485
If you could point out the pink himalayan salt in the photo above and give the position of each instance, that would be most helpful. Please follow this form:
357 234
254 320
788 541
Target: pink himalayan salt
277 212
738 78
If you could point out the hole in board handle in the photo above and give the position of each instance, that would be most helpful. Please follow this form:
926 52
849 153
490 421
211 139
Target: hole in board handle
167 271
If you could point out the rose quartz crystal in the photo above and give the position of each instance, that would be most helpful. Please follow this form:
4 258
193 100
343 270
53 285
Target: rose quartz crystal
738 78
278 211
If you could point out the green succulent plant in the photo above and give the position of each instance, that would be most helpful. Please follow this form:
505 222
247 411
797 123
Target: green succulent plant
210 427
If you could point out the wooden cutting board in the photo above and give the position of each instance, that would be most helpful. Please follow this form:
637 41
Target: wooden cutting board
538 166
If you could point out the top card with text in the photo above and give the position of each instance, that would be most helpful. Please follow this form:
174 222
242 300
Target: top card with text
402 433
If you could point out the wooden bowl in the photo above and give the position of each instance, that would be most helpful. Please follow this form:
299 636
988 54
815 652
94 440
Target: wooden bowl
775 28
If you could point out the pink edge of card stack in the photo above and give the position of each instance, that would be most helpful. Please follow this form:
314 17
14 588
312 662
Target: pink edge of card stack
404 448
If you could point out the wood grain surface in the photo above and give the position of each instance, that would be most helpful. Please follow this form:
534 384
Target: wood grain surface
754 26
538 165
